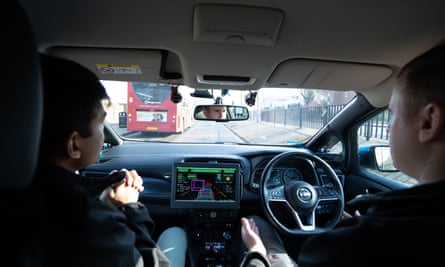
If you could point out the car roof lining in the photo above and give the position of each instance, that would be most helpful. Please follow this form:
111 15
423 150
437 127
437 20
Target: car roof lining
146 65
301 33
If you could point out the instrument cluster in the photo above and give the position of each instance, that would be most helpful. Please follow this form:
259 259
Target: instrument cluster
279 176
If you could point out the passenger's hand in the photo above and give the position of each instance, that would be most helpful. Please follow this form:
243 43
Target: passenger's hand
134 180
251 236
124 192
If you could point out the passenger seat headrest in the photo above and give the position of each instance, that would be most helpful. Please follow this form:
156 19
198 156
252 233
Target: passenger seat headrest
21 107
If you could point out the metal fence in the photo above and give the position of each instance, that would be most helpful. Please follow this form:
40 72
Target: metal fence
376 126
317 117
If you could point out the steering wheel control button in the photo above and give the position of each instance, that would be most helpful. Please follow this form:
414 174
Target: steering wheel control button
325 192
275 195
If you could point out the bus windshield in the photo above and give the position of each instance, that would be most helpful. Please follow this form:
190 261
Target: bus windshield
151 93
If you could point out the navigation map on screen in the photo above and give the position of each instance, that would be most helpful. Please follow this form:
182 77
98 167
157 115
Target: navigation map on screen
205 183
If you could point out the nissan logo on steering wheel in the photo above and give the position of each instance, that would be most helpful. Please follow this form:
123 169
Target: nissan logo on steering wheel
304 194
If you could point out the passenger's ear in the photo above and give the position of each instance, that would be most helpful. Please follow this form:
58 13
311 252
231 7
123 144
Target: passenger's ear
432 122
72 145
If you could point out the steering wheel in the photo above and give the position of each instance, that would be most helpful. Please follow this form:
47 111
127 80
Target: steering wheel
295 207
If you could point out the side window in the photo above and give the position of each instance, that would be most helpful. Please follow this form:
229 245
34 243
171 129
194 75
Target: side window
374 150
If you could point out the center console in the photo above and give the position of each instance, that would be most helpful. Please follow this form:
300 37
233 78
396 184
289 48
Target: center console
210 193
211 238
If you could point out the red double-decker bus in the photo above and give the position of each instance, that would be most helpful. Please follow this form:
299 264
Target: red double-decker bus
149 109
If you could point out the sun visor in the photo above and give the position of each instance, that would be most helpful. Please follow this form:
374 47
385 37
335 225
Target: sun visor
317 74
121 64
236 24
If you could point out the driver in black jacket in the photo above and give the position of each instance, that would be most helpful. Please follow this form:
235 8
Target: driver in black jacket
71 226
401 227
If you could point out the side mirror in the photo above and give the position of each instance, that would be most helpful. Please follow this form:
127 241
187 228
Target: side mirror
219 112
377 157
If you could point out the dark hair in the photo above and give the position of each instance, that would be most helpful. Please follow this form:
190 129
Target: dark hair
425 79
72 96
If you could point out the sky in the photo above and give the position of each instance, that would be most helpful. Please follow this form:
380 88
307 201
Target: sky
117 91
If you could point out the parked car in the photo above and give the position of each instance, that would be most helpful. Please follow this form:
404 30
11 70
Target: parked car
305 85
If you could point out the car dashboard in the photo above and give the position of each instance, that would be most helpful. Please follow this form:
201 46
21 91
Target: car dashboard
213 229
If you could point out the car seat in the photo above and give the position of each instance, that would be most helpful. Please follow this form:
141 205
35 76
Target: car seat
21 107
21 111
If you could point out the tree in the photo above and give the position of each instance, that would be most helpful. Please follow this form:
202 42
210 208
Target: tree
308 96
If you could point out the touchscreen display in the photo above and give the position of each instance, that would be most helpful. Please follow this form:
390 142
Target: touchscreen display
205 185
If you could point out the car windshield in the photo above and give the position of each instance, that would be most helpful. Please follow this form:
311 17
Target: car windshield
277 116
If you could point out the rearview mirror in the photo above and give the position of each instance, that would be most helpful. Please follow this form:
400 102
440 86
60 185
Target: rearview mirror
221 113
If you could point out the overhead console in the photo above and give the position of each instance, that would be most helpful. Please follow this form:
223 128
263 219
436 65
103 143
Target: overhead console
211 194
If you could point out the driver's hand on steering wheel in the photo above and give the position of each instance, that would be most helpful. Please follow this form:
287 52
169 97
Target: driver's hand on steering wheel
251 236
346 215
